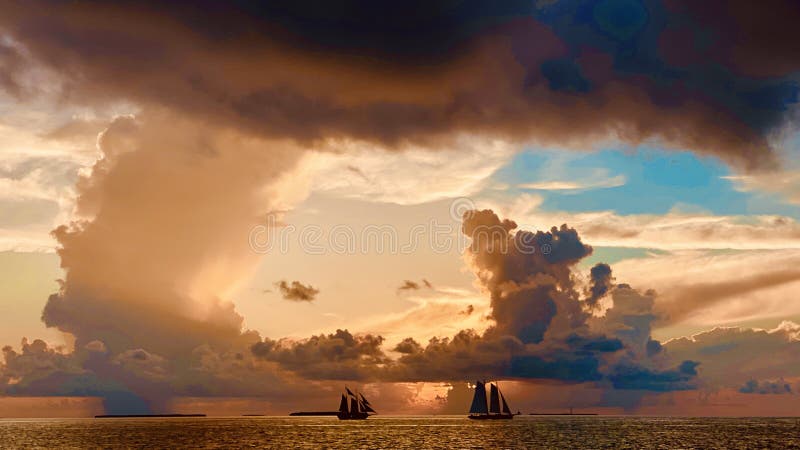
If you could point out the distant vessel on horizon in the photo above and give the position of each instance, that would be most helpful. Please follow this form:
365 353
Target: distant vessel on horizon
480 410
351 407
354 407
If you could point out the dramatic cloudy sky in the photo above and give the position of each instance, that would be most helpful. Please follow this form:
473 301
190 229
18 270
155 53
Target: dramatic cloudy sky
239 208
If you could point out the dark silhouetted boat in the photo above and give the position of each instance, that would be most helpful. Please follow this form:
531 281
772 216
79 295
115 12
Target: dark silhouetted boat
480 410
354 407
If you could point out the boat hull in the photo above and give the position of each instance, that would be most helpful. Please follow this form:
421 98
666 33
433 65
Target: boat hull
352 416
491 417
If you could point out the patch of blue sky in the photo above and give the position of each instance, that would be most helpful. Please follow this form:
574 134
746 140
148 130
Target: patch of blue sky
644 180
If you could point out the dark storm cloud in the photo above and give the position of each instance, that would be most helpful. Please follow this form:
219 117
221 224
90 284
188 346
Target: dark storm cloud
336 356
564 72
528 275
41 370
639 378
35 361
466 355
139 381
722 51
734 34
297 291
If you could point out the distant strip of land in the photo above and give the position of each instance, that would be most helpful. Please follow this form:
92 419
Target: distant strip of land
314 413
113 416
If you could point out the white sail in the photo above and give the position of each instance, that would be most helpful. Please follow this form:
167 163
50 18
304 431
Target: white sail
479 405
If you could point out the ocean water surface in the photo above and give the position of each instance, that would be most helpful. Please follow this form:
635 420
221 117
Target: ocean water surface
379 432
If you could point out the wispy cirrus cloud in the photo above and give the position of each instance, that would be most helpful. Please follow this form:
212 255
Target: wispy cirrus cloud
784 183
675 230
420 174
719 287
599 181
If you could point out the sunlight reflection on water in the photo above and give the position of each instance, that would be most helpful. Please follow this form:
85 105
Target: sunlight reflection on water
402 433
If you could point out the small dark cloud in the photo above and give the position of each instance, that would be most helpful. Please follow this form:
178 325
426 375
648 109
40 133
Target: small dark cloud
408 346
468 310
409 285
636 377
601 282
766 387
297 291
358 172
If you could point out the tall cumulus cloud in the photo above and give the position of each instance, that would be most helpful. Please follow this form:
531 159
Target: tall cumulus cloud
542 327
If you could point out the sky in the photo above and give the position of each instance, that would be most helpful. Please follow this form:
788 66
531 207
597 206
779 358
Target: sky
240 208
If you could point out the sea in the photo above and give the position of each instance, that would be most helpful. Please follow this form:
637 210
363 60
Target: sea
387 432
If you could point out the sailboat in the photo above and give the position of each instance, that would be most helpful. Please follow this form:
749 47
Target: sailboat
480 410
354 407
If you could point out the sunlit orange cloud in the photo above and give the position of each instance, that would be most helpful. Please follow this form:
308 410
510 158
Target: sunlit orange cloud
440 314
718 288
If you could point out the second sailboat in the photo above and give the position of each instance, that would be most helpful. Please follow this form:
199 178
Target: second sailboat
480 410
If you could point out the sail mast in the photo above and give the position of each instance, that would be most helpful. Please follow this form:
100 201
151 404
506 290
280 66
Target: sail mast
343 405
